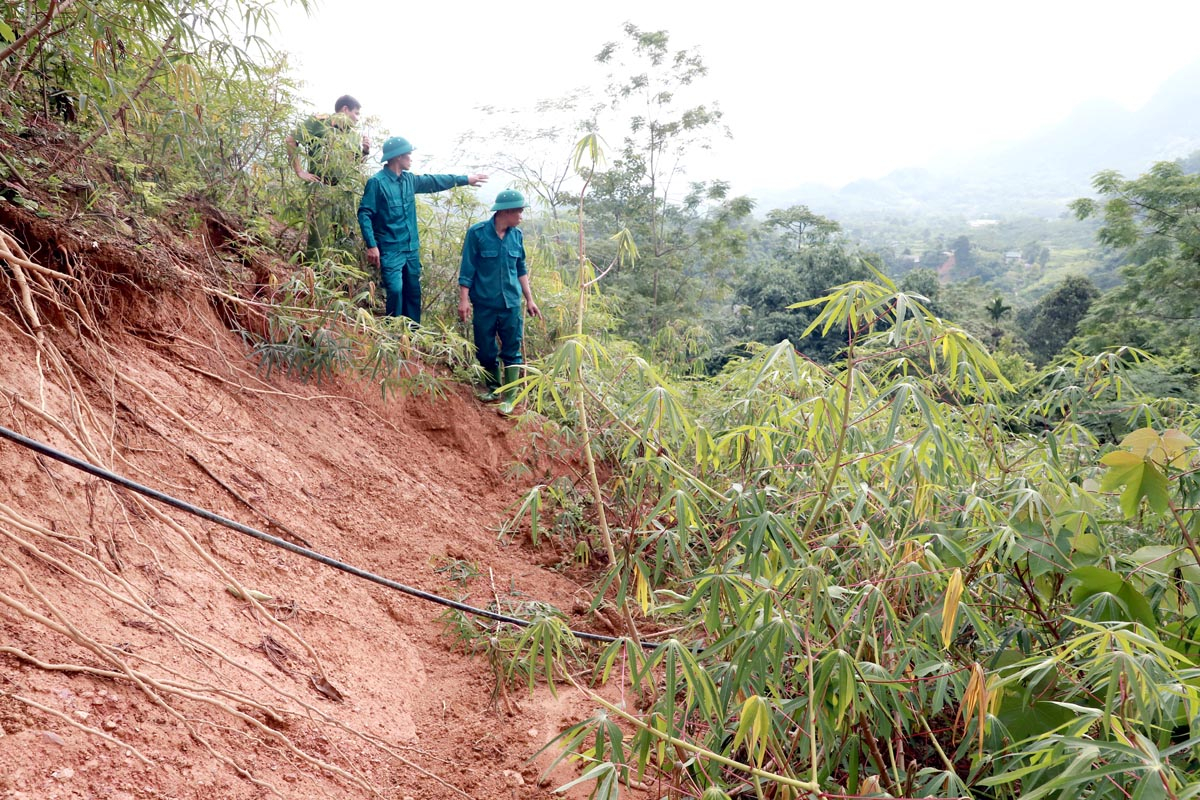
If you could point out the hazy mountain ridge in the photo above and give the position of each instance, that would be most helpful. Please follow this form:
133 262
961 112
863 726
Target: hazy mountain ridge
1038 175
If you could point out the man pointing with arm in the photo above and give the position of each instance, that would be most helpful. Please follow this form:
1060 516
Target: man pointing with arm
387 216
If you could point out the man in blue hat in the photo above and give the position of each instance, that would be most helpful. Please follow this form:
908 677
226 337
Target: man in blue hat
387 215
493 279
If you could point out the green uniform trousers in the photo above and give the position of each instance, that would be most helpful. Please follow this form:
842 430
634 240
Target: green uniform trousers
490 324
401 275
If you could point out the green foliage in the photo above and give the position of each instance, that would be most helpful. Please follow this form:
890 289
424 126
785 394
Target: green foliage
171 74
886 583
684 244
997 309
964 254
802 227
924 282
1050 324
170 107
458 570
886 569
316 332
517 655
555 509
766 294
1151 221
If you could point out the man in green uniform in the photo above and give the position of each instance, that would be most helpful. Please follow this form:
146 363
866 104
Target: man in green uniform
334 153
493 279
387 215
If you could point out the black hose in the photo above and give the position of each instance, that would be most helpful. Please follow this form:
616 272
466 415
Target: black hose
120 480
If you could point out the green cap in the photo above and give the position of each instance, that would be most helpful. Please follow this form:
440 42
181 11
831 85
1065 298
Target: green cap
509 198
395 146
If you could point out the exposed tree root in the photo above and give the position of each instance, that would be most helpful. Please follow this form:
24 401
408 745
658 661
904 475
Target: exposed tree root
51 569
291 536
76 723
170 412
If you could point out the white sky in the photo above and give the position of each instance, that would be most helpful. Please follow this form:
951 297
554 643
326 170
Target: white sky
825 91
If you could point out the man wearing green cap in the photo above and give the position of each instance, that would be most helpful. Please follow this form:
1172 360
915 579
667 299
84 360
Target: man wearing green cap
493 279
387 215
334 153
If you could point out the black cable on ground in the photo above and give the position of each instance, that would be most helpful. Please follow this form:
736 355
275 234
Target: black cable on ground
120 480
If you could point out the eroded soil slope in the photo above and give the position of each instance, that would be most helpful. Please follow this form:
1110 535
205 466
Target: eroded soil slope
130 664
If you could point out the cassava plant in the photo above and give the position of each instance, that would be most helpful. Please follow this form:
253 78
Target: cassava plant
883 575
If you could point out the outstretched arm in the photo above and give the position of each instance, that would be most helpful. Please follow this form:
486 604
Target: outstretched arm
427 184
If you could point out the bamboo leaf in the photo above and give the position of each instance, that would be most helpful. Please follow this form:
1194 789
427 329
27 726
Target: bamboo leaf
954 592
753 727
606 778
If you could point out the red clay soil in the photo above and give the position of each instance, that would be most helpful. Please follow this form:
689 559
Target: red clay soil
129 668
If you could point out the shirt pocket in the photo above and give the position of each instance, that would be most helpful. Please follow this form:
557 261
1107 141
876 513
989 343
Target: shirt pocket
393 197
489 252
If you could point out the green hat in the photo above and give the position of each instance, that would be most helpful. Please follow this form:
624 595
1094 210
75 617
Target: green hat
509 198
395 146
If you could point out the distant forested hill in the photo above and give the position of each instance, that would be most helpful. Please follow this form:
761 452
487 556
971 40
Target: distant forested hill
1036 176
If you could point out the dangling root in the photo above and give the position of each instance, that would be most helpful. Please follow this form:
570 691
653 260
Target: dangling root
53 567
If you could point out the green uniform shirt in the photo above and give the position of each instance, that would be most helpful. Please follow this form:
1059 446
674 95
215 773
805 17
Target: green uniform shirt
491 266
387 213
333 147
